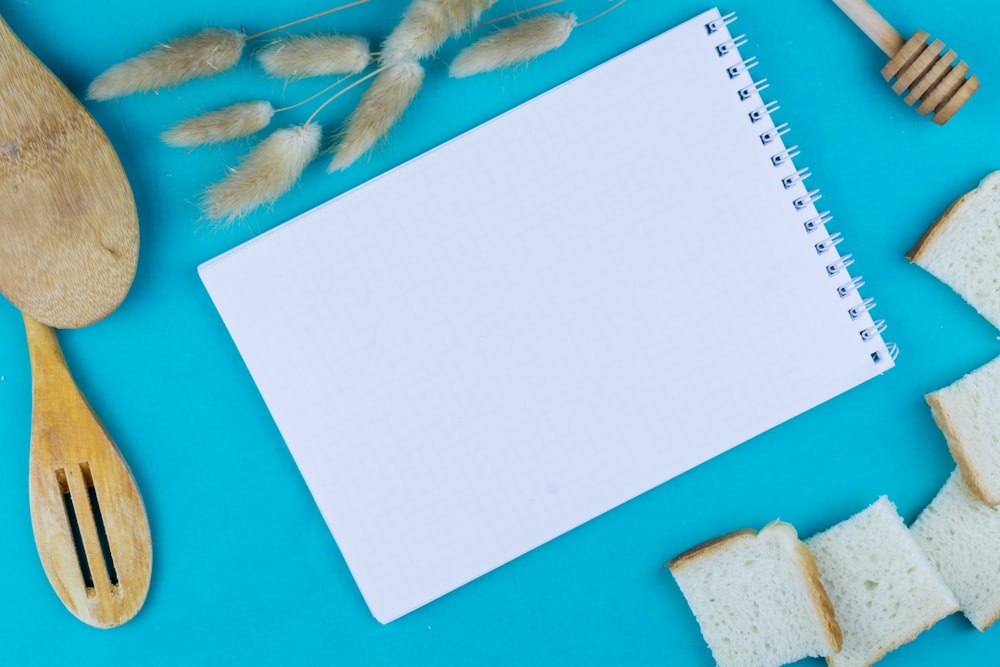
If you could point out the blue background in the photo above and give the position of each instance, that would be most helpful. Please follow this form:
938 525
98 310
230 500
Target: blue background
245 569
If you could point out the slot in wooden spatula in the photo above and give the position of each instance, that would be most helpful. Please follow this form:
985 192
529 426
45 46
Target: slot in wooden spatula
929 76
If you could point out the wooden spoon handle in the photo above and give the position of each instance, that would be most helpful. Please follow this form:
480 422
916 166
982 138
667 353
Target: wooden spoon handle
872 24
48 366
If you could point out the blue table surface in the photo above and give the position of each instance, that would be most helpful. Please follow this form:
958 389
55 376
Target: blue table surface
245 570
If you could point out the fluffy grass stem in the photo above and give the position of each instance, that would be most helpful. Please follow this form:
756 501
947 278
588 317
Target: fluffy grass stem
519 43
315 55
426 24
378 110
201 54
235 120
265 173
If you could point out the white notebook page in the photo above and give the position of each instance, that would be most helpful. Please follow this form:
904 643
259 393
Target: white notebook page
541 319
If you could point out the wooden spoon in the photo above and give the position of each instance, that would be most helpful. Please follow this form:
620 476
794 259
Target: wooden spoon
68 249
69 238
920 70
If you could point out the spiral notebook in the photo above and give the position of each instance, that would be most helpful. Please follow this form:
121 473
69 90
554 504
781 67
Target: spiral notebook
555 312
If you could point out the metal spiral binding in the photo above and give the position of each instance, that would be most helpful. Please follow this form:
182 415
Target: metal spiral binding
803 202
855 284
735 70
799 176
778 159
768 136
877 328
755 87
833 268
808 198
861 308
763 111
713 26
820 220
730 45
827 243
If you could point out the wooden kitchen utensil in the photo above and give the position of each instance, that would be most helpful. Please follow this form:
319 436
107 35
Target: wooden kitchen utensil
68 247
921 70
69 240
86 511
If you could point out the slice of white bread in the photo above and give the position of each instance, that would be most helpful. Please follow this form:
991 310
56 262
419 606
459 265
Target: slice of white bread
757 598
884 590
962 248
968 412
961 537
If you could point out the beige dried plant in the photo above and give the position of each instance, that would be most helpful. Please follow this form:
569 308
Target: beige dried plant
201 54
315 55
264 174
425 26
272 167
380 107
520 43
235 120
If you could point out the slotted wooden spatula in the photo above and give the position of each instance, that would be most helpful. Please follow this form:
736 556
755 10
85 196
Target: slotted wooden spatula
68 248
929 76
86 511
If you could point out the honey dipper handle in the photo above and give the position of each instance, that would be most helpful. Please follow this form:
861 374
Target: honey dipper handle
872 24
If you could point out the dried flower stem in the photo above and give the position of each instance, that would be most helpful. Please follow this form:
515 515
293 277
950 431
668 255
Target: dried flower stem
201 54
380 107
315 55
426 24
602 13
520 12
266 173
236 120
355 84
276 163
307 18
519 43
314 95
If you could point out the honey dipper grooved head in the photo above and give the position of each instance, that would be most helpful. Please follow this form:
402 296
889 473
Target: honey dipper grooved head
931 77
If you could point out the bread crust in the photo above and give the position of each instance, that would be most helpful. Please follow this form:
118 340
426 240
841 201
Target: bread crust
820 598
936 228
804 559
993 619
831 660
968 471
708 547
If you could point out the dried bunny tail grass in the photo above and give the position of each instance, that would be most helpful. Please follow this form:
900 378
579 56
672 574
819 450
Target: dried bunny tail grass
179 60
315 55
377 111
426 24
236 120
266 173
519 43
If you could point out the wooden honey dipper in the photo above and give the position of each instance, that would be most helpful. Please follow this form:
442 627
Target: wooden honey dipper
920 69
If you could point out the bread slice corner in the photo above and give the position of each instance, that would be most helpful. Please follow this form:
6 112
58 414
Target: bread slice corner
884 590
962 248
758 598
968 413
960 535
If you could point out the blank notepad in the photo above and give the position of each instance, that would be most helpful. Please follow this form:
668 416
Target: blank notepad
547 316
